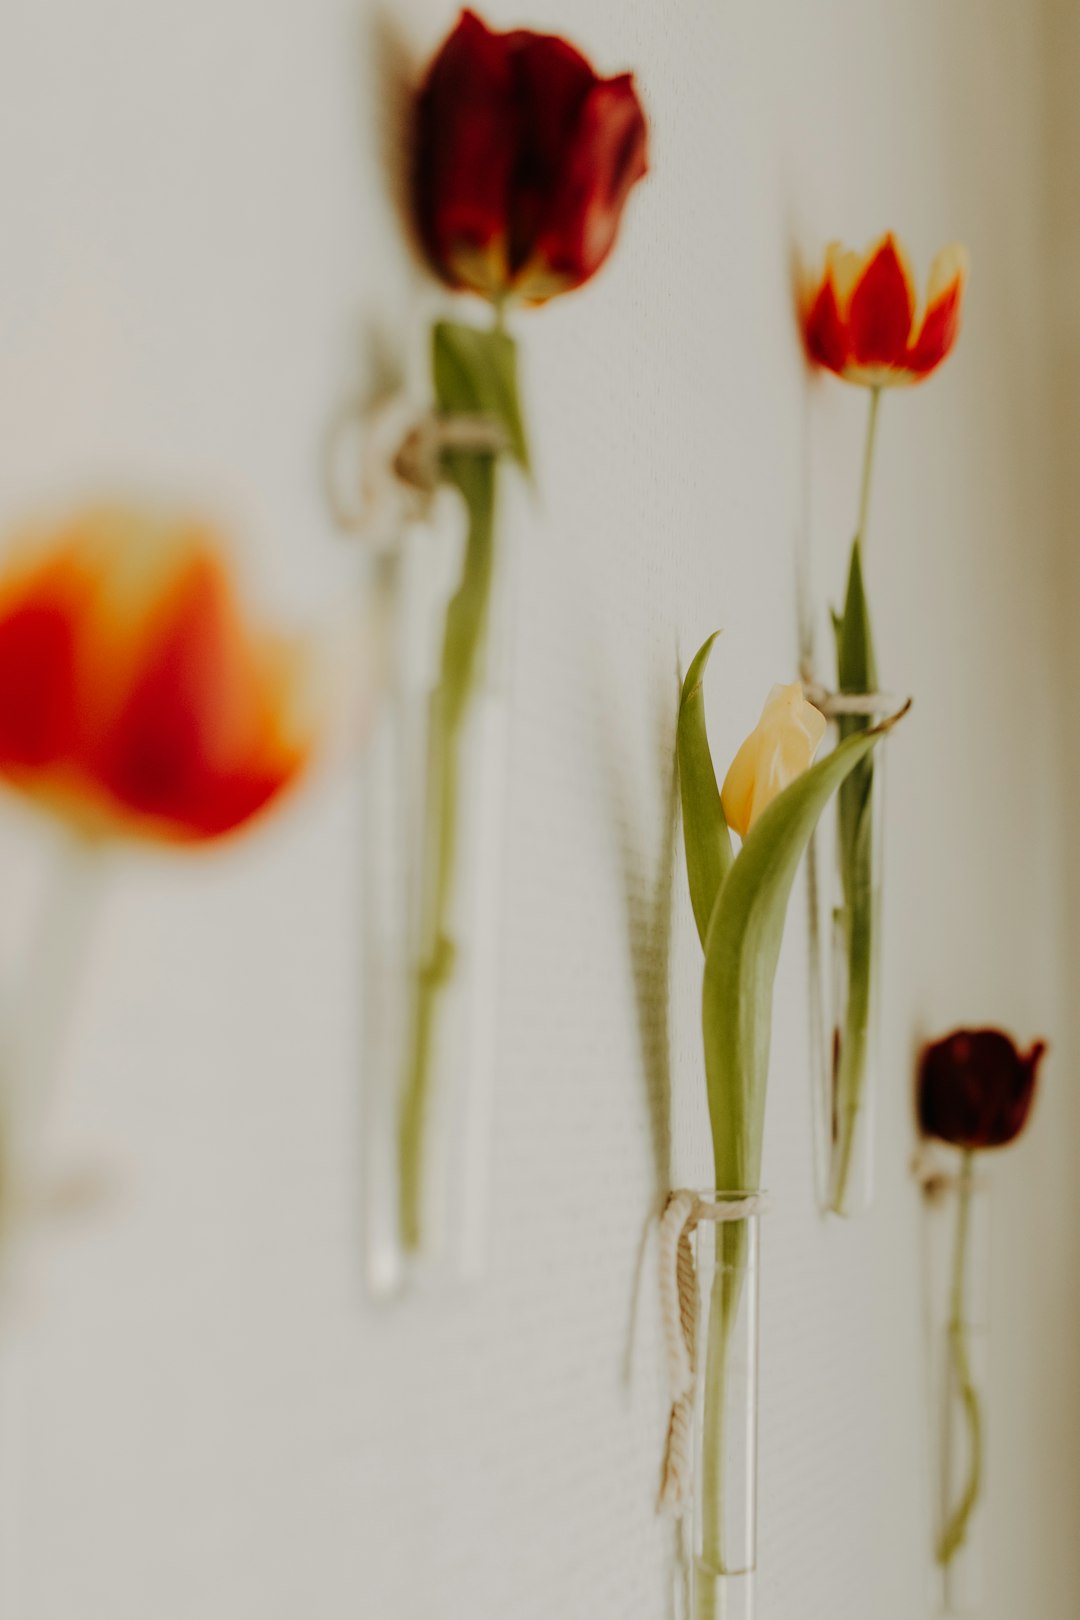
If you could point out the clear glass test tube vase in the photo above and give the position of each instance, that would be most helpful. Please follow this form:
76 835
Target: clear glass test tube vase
724 1514
433 832
958 1274
845 895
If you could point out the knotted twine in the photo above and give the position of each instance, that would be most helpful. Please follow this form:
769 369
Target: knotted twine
935 1181
835 705
683 1212
400 467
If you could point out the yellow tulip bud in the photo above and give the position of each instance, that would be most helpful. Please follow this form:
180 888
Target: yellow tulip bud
780 748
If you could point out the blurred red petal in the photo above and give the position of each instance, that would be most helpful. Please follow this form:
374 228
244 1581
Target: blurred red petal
882 310
607 159
826 336
133 696
37 684
196 744
466 151
939 331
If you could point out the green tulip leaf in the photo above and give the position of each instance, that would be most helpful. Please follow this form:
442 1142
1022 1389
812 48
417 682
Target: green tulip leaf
741 953
475 370
856 669
856 673
705 831
856 665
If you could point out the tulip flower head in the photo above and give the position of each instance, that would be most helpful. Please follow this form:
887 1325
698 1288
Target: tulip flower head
861 319
524 160
975 1088
780 748
135 698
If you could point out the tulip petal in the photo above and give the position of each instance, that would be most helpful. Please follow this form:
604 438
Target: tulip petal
826 334
197 745
552 81
579 217
941 323
37 677
882 308
467 123
780 747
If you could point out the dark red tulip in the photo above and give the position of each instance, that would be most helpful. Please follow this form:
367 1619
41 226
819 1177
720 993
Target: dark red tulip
976 1088
524 160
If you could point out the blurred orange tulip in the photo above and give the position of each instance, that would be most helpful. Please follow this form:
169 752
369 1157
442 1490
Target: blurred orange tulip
135 697
860 317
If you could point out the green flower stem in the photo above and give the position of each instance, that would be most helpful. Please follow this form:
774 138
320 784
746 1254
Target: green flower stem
868 461
464 642
856 670
474 371
958 1521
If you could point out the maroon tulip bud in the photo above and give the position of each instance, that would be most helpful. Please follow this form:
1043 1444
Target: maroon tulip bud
524 160
976 1088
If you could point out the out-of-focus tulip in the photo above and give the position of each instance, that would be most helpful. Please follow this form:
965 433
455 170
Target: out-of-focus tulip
780 748
135 696
524 159
861 317
976 1088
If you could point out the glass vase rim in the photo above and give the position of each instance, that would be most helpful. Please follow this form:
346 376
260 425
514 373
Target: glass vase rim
724 1195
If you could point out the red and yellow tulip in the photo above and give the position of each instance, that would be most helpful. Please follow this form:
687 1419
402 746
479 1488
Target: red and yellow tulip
136 698
862 321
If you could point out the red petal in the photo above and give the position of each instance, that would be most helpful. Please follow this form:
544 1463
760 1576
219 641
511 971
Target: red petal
551 83
826 336
939 331
196 745
466 149
882 310
37 681
604 157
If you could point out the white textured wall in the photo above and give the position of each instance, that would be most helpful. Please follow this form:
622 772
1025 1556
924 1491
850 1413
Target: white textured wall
211 1424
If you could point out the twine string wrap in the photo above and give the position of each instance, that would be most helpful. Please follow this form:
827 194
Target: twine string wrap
381 463
683 1212
935 1180
834 705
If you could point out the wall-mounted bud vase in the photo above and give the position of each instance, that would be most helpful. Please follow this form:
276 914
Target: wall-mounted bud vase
772 798
524 158
434 778
724 1548
975 1090
862 321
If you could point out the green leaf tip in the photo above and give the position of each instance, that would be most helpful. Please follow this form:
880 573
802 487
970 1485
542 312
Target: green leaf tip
856 664
706 838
